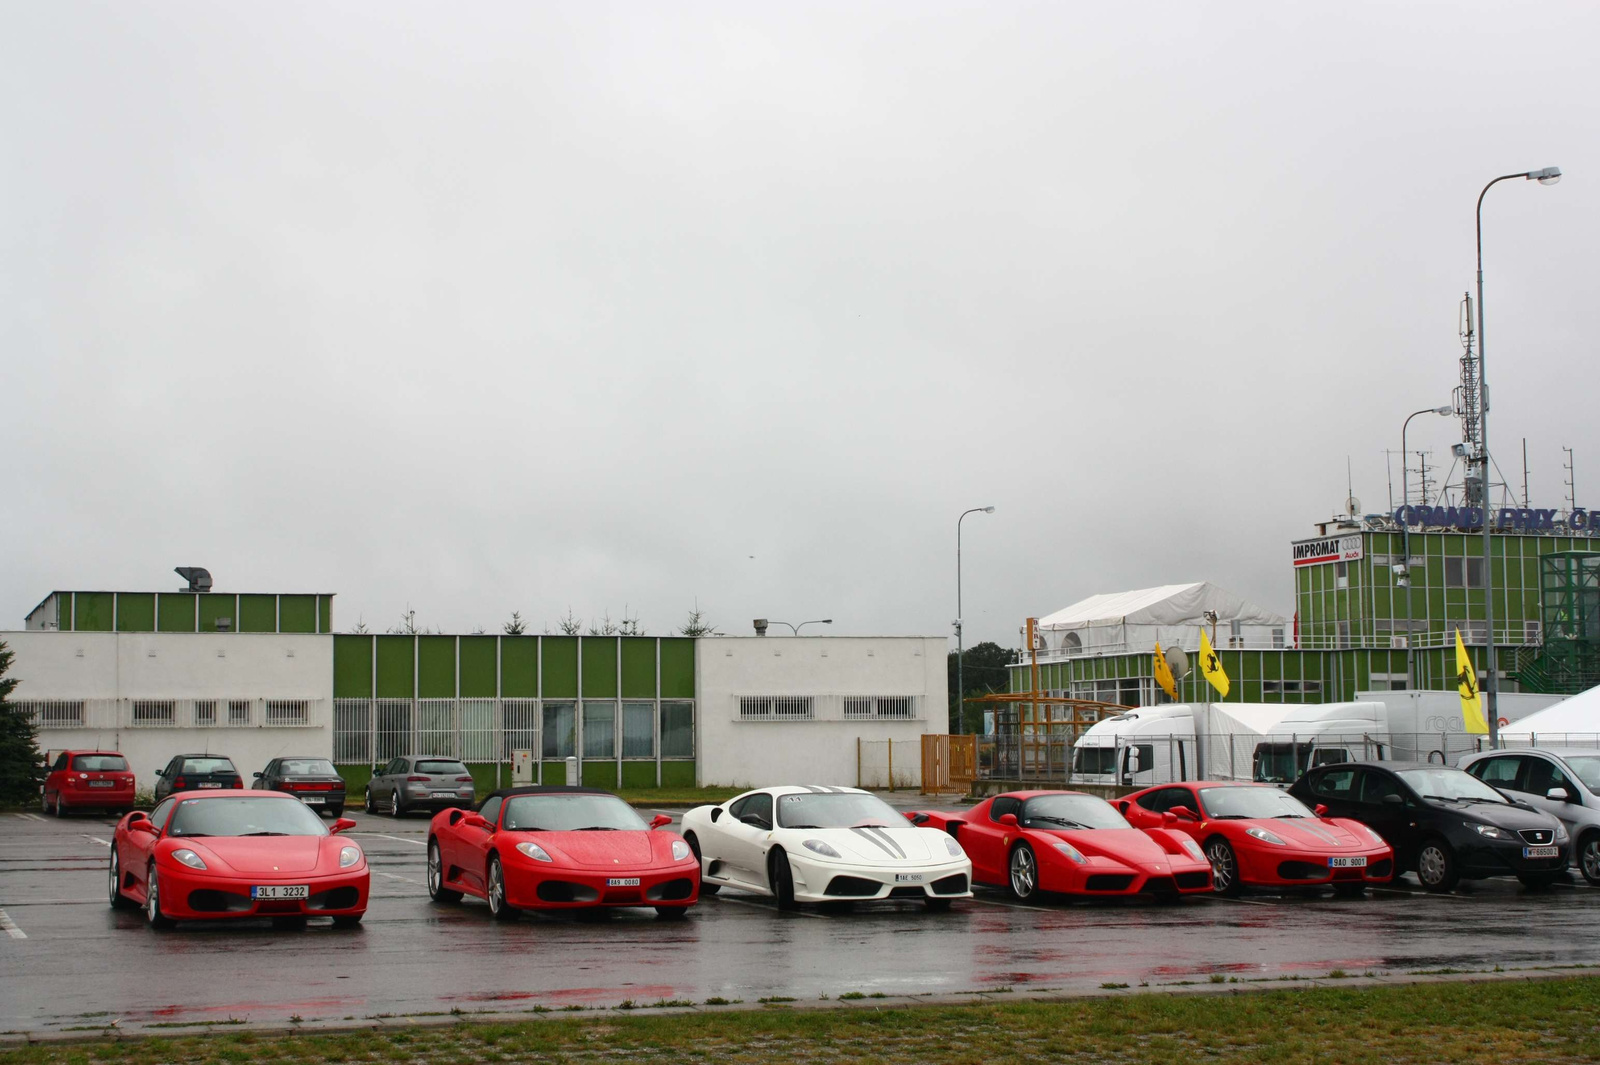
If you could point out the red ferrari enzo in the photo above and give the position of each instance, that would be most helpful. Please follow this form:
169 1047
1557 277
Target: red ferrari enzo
556 848
206 855
1071 843
1256 834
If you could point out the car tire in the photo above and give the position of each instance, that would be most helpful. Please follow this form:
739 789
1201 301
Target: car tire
336 812
694 848
44 804
119 901
1349 891
1224 867
672 913
1022 873
495 891
435 875
395 809
1436 866
1589 857
59 809
366 802
781 879
152 902
349 920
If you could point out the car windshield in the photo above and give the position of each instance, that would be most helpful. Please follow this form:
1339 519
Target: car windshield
570 813
1070 811
441 767
306 767
100 763
1232 804
1449 784
841 809
204 766
245 815
1588 769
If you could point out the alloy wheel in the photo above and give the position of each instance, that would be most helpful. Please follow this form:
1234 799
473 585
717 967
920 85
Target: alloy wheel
394 804
367 802
1024 872
435 870
114 878
1589 857
1223 866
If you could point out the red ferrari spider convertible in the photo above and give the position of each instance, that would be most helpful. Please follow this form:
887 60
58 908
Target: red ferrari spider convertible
1071 843
1256 834
536 848
201 856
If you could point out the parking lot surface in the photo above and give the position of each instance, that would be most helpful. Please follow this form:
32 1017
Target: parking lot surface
68 961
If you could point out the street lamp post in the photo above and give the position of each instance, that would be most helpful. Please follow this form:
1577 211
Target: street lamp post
794 630
1403 570
1548 176
961 690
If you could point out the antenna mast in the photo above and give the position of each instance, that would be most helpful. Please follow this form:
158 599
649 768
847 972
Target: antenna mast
1572 485
1469 406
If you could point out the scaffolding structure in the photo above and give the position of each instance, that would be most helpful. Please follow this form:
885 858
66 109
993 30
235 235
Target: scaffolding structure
1568 662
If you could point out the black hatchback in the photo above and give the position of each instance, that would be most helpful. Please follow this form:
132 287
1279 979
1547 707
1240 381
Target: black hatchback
1444 825
196 772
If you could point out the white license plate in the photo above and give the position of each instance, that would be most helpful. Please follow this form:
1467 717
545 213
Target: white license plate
205 785
1541 852
1348 863
443 794
102 783
314 800
908 878
280 891
622 881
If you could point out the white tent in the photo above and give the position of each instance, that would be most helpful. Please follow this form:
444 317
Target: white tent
1132 622
1575 720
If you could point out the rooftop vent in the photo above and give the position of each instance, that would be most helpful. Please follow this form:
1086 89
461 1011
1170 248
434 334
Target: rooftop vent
199 579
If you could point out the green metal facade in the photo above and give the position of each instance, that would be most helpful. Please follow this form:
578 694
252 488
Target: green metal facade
188 612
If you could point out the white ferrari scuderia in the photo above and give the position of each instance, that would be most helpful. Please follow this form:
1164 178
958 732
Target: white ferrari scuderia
810 843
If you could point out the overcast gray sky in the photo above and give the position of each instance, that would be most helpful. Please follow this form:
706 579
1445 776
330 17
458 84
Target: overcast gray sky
483 307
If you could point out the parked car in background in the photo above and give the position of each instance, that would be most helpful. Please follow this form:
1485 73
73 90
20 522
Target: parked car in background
1564 781
88 780
1445 825
1257 835
419 782
539 848
811 843
1069 843
196 772
314 781
203 856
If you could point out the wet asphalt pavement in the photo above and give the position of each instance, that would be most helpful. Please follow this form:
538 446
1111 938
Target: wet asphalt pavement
67 960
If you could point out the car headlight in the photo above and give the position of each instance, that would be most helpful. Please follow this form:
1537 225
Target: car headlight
1561 832
189 858
1071 852
1490 831
954 848
1264 836
534 851
349 856
1374 834
1192 848
680 850
816 846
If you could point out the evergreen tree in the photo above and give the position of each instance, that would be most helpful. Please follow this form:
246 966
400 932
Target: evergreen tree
21 763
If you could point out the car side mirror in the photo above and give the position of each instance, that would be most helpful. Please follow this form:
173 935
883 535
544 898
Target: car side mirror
917 818
145 825
1183 813
1321 809
137 816
1394 800
1558 794
660 820
341 825
1169 818
475 821
1009 820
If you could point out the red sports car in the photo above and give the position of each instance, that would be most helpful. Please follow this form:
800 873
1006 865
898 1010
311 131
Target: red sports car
1258 835
1071 843
555 848
88 780
206 855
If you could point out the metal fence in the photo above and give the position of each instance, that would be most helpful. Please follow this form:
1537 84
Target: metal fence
109 715
372 731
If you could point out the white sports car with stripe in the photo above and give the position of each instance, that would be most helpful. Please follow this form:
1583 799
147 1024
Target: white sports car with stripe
810 843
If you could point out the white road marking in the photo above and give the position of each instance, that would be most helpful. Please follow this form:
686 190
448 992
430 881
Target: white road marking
1014 905
95 839
759 906
392 876
1242 902
30 817
397 839
10 927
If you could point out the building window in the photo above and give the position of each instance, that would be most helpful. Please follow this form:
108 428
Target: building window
560 735
288 712
1387 682
393 729
154 711
1311 687
901 707
1277 639
1475 632
1341 574
238 711
638 730
599 729
775 707
52 713
677 730
1532 632
1344 634
205 712
352 736
1463 572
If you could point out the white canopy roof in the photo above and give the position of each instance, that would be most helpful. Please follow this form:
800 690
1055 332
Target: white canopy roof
1166 606
1577 716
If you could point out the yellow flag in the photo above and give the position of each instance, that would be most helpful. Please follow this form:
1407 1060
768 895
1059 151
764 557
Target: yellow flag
1163 674
1467 682
1211 666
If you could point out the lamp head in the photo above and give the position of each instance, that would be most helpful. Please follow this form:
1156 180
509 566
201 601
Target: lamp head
1444 410
1548 176
988 510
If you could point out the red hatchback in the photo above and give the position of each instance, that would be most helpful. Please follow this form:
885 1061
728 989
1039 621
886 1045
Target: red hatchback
204 856
88 780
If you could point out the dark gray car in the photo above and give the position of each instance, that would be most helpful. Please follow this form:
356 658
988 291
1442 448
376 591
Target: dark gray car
420 782
196 772
1564 781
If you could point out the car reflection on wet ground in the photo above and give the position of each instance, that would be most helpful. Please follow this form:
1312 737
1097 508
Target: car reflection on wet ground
67 960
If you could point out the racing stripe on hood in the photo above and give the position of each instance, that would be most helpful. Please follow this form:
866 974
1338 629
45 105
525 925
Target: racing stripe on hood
1318 831
881 834
867 833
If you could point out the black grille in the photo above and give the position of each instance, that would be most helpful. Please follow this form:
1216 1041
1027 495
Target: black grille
854 887
671 890
1302 871
950 885
1193 881
1158 885
1107 882
342 898
1539 837
1380 869
209 901
907 893
566 891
